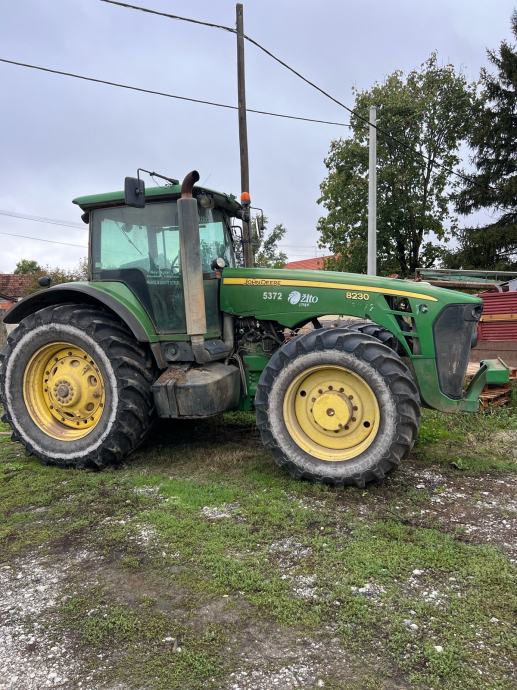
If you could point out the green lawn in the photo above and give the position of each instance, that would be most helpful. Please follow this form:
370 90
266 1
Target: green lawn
200 565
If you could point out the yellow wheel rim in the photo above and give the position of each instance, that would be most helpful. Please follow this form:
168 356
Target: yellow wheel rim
331 413
63 391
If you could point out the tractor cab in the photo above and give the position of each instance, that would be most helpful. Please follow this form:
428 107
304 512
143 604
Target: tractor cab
142 247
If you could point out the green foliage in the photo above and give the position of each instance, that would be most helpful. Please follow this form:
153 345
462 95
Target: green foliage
265 243
428 110
493 139
26 266
60 275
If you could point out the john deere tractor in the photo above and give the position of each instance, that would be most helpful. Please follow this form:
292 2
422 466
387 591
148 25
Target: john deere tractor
169 326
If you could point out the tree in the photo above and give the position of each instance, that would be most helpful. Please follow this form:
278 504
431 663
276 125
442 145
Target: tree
26 266
265 244
267 253
59 275
493 139
426 112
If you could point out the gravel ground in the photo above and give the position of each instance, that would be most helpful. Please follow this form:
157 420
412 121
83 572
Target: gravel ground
33 654
36 654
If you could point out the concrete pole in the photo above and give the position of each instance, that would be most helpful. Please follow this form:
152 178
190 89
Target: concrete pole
372 194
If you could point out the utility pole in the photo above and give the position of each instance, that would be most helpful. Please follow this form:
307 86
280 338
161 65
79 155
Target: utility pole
372 194
243 135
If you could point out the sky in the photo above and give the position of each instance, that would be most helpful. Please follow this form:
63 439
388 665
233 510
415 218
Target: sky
61 138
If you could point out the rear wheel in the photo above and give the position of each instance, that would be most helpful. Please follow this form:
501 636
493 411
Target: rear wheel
76 387
337 406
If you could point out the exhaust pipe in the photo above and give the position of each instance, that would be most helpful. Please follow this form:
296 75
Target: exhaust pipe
188 183
191 268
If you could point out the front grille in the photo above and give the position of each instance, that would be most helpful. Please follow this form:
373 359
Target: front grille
454 333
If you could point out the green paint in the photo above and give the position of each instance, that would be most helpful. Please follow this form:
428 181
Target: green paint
126 297
262 295
293 298
226 201
253 366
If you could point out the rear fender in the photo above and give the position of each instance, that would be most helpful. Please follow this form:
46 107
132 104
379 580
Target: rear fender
113 296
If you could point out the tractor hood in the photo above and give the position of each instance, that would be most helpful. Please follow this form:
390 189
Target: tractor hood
299 295
435 327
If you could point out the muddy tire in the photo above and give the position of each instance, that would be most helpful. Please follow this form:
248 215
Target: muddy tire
371 328
337 406
76 387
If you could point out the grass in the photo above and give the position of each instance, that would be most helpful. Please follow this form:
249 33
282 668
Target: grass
204 559
477 443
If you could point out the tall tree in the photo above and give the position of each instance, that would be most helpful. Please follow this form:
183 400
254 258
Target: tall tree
493 138
427 111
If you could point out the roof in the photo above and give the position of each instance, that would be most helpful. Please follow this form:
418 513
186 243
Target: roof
13 286
227 201
315 264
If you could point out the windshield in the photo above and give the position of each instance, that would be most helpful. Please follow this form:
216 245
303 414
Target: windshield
141 247
148 238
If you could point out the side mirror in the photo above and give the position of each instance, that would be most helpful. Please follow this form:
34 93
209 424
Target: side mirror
134 192
44 281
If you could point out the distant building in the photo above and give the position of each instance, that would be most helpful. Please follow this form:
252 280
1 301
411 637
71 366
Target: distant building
12 288
315 264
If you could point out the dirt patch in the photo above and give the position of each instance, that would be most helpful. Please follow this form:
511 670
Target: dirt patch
34 654
273 657
227 510
479 510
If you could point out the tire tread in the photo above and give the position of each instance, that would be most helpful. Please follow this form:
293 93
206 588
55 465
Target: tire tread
380 356
133 368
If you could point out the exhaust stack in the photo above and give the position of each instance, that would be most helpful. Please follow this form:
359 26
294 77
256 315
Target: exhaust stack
191 268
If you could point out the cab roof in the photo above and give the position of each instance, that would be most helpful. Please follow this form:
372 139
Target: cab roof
226 201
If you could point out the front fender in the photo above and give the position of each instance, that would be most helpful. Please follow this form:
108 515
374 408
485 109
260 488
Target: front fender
114 296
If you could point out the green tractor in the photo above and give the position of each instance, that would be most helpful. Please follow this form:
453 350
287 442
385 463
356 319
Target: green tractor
169 326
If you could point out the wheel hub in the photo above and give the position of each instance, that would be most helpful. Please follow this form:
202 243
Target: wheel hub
64 390
332 411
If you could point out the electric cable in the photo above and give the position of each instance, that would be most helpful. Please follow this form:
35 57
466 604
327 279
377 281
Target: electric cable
315 86
168 95
41 239
41 219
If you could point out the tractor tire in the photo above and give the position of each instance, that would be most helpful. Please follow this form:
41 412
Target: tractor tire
371 328
337 406
76 387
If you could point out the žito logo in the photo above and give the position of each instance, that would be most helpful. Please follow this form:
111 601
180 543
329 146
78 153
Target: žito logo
294 297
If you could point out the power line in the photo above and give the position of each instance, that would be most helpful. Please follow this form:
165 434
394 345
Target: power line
77 226
41 219
364 119
335 100
147 10
41 239
168 95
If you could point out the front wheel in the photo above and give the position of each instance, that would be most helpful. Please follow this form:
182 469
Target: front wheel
76 387
337 406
